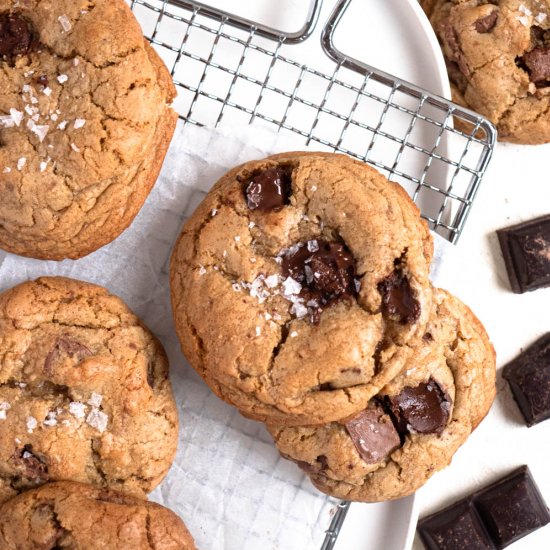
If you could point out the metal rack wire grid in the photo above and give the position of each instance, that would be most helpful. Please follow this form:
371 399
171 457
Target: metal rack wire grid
230 70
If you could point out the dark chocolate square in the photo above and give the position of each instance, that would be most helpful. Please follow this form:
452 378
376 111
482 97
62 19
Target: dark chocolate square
529 379
512 507
526 251
455 528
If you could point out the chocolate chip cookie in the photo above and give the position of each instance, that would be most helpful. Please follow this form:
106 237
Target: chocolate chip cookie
498 58
413 427
83 517
85 123
297 284
84 391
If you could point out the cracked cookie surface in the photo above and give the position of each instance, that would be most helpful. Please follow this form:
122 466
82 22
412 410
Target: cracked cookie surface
498 58
83 517
84 391
297 284
85 123
413 427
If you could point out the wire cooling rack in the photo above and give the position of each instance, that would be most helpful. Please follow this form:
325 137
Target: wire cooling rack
230 70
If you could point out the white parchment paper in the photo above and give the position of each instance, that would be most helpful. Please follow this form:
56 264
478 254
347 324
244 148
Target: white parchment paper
228 482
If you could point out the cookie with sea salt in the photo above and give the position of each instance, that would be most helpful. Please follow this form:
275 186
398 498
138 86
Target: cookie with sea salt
413 427
498 58
85 123
82 517
297 284
84 391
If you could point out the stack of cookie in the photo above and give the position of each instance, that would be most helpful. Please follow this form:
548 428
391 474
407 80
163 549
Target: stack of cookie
88 422
301 294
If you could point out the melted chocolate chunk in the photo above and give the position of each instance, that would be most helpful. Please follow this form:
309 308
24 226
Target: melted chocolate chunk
269 190
422 409
526 251
34 467
489 519
114 498
325 271
529 379
65 346
486 24
321 464
373 434
16 36
537 62
398 300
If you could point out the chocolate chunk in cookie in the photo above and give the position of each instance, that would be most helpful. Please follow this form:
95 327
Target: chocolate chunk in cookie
324 270
487 23
373 434
33 466
16 36
423 409
398 300
537 62
526 251
529 379
65 348
269 190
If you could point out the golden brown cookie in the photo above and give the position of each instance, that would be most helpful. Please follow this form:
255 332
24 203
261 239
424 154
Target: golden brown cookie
498 57
297 284
413 427
82 517
85 123
84 391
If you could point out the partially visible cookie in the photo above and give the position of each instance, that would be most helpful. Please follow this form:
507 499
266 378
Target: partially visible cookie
84 391
297 284
83 517
85 122
498 58
413 427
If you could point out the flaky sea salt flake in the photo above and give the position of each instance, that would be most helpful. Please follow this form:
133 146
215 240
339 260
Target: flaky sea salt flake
77 409
21 163
541 18
43 166
62 78
75 148
62 125
65 22
46 91
97 419
291 286
293 334
95 399
79 123
17 116
32 423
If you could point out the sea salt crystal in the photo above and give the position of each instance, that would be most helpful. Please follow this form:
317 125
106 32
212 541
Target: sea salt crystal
213 212
79 123
524 20
291 286
312 246
541 18
251 225
524 9
202 270
357 284
97 419
237 238
32 423
5 406
54 116
77 409
7 121
95 399
62 78
46 91
75 148
26 89
314 188
41 130
51 419
272 281
258 331
293 334
7 170
2 415
299 310
21 163
43 166
267 316
65 22
62 125
17 116
236 287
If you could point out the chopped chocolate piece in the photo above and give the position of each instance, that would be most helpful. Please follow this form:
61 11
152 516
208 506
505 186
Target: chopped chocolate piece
537 62
65 346
16 36
373 434
43 80
529 379
422 409
457 527
34 467
491 518
325 272
512 507
398 300
487 24
526 251
269 190
307 467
